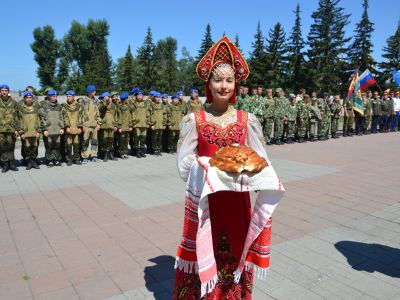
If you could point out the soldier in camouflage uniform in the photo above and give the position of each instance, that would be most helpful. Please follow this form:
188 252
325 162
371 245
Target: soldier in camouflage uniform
91 124
348 119
53 129
176 115
109 125
125 117
268 116
323 126
243 96
142 121
336 109
131 103
368 112
115 99
292 113
30 128
303 106
166 134
315 118
72 115
159 121
194 104
9 126
281 103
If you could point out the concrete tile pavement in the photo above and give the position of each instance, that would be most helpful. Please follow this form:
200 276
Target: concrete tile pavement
110 230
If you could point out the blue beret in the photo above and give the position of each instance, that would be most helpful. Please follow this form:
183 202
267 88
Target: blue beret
51 92
27 93
70 92
139 92
134 91
124 96
152 93
179 93
194 91
105 94
174 96
4 86
90 88
164 95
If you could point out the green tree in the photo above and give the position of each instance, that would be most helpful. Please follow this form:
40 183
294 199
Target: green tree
125 71
296 71
276 54
46 50
237 43
391 55
145 59
186 71
361 49
327 47
206 43
166 65
258 62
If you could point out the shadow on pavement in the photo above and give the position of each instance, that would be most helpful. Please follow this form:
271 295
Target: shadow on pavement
160 277
371 257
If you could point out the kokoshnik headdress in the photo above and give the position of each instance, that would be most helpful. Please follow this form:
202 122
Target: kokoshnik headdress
221 57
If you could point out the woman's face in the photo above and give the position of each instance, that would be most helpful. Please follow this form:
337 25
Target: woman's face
222 83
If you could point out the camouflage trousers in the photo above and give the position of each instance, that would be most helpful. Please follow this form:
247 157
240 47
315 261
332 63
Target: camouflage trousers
30 145
173 140
323 127
348 122
123 142
334 125
156 139
106 140
267 129
291 129
278 129
53 146
72 152
7 146
139 137
89 137
313 127
367 122
302 128
116 141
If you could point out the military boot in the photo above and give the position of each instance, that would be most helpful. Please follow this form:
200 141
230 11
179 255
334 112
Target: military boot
12 165
29 164
105 158
111 156
34 164
142 152
6 167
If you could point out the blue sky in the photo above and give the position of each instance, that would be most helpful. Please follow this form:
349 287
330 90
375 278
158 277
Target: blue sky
184 20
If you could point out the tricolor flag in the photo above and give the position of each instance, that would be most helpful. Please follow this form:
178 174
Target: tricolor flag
396 77
366 80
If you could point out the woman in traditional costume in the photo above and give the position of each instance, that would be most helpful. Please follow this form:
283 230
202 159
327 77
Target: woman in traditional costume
224 244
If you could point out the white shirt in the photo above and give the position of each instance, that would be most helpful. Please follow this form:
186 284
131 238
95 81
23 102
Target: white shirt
396 104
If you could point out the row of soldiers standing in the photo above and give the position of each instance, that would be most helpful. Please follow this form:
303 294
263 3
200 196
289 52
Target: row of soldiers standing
81 130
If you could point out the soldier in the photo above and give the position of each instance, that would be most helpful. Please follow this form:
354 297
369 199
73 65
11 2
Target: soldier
176 114
385 104
115 99
243 96
72 114
367 112
91 124
159 121
30 128
335 108
131 103
268 116
323 126
281 102
194 104
391 113
376 112
125 117
142 121
303 106
292 112
53 129
348 117
109 125
315 118
166 132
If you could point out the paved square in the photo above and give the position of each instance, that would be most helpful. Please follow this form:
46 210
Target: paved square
110 230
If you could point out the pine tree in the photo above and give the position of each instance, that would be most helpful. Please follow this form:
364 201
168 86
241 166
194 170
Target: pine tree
125 71
206 43
327 48
391 54
296 70
46 49
237 43
276 54
166 65
186 72
361 49
258 63
145 59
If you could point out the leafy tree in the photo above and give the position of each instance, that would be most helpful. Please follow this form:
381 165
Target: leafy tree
186 71
166 65
391 55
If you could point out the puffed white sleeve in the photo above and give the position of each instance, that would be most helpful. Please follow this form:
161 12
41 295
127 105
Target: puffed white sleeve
187 145
255 136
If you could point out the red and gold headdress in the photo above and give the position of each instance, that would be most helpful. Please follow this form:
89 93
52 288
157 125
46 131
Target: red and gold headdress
223 52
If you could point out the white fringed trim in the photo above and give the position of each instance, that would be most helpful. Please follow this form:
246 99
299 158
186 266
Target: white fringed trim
188 267
209 286
260 273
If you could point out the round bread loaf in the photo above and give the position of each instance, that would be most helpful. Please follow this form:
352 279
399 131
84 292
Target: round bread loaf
238 159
